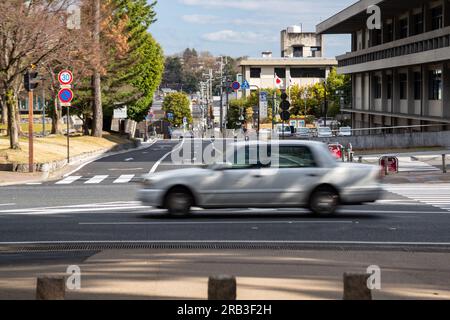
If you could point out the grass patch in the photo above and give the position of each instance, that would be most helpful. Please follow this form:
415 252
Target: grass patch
54 148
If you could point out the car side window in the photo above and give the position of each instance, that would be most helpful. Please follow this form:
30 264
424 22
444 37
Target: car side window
296 157
250 157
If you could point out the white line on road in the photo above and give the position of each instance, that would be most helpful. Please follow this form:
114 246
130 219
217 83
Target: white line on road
214 222
69 180
104 156
96 180
156 165
124 178
129 159
7 204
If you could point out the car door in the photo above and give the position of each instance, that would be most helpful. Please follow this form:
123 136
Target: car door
298 172
246 182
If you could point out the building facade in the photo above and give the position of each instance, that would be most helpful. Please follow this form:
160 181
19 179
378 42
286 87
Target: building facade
261 72
401 72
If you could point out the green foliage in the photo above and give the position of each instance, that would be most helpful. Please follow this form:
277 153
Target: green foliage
133 78
179 105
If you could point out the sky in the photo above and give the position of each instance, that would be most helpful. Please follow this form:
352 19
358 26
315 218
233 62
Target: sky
241 27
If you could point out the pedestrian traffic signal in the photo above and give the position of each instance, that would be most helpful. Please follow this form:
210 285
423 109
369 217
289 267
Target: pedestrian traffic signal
285 105
30 80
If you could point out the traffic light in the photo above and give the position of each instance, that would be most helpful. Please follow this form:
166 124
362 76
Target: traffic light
285 105
30 80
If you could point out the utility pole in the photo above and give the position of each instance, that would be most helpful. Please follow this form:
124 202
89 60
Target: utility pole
98 111
220 73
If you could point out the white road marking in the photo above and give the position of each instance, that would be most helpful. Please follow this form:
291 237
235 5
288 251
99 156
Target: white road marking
129 159
7 204
96 180
216 222
102 157
69 180
156 165
124 178
436 195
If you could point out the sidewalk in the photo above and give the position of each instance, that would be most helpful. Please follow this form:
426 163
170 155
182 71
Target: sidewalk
261 275
417 177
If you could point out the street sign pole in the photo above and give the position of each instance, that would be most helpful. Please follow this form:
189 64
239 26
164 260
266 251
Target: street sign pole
65 95
68 134
30 132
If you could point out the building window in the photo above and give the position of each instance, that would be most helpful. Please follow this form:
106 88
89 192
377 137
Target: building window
376 37
316 52
403 28
280 72
388 86
377 87
298 52
435 82
436 18
417 85
255 72
388 32
403 81
307 73
418 23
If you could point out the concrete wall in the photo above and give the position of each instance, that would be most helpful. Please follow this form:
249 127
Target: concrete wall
405 140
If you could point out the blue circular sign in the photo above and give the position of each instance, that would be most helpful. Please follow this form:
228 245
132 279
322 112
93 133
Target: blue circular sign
65 95
236 86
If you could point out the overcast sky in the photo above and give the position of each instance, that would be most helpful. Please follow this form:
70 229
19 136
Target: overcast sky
241 28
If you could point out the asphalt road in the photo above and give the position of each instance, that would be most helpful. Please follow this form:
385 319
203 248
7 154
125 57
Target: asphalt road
99 206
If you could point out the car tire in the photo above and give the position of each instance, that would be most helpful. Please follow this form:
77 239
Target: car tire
179 202
324 201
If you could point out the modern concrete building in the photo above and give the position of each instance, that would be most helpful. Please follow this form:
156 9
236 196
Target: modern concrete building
298 44
260 72
401 72
301 63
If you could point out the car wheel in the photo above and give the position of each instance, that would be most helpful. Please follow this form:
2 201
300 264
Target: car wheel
179 201
324 201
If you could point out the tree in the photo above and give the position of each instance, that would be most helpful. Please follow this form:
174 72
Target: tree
173 77
97 105
177 104
30 33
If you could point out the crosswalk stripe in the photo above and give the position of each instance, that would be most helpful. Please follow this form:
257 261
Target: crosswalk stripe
69 180
96 179
435 195
124 178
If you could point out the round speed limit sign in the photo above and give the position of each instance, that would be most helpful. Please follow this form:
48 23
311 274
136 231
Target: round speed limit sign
65 77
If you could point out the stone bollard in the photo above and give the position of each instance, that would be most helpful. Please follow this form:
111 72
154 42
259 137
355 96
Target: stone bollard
51 288
222 288
355 287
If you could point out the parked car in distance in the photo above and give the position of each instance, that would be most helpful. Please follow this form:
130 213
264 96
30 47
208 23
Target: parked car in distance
324 132
179 134
303 133
345 131
284 130
331 122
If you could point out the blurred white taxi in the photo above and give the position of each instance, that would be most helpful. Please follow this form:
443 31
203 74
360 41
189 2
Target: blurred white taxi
279 174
